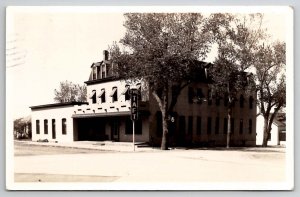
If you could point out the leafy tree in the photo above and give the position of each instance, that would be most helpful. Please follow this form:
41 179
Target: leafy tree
22 128
271 84
162 49
69 92
237 44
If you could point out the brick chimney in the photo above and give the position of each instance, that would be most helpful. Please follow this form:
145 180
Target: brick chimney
105 55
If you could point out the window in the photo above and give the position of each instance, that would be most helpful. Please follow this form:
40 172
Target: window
37 126
98 72
126 93
225 101
103 71
94 73
200 95
225 125
45 126
232 125
217 125
251 102
241 126
209 125
102 95
53 129
159 127
198 125
64 126
242 101
190 94
209 97
114 94
93 96
250 126
269 136
190 125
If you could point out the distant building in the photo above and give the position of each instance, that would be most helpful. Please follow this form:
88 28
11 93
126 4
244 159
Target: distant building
106 115
278 132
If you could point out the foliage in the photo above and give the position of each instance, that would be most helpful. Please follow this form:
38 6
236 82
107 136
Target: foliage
22 128
69 92
161 48
271 83
237 44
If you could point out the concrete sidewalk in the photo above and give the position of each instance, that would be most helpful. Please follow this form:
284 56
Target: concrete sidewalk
94 145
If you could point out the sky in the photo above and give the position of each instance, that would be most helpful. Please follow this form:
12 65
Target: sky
47 46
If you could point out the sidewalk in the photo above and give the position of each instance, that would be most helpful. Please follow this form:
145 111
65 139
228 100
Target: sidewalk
94 145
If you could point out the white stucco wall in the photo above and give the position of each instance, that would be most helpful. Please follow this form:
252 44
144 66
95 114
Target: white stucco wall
57 113
260 129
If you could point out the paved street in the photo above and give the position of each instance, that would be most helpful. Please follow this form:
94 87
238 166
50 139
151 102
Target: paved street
154 165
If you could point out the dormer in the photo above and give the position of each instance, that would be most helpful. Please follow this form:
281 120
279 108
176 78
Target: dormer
103 69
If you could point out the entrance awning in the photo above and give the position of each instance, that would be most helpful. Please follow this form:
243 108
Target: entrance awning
95 115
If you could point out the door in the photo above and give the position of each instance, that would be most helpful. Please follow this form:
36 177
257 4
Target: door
115 128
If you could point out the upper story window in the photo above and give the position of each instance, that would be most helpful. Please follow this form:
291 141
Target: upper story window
190 94
126 93
103 71
102 96
209 96
242 101
94 73
93 96
114 94
251 102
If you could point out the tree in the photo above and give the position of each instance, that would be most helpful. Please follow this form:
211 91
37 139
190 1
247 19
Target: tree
22 128
69 92
161 49
271 84
237 43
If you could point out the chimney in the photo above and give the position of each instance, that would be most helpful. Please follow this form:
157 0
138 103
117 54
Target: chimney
105 55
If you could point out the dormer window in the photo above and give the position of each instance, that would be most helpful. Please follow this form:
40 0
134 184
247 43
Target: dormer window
94 73
93 96
114 94
102 95
126 93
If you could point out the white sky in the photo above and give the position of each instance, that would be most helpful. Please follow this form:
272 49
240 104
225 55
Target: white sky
47 47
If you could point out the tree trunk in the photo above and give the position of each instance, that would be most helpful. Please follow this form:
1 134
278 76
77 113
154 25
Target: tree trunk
164 140
265 133
228 128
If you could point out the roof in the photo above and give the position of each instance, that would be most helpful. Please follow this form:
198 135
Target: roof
57 105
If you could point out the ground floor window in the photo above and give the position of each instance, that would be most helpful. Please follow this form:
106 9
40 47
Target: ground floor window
64 126
217 125
37 126
45 126
209 125
241 126
190 125
250 126
225 125
198 125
